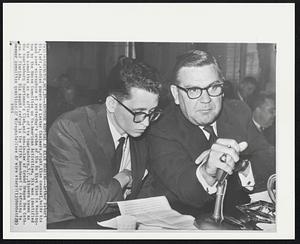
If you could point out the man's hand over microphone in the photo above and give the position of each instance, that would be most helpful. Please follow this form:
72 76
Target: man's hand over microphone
223 155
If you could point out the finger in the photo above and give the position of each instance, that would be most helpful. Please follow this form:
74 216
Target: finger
229 143
203 156
226 159
224 149
243 145
226 167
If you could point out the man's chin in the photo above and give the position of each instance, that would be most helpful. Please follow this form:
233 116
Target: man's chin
206 120
136 133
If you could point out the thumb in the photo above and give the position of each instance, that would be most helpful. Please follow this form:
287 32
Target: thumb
243 145
203 156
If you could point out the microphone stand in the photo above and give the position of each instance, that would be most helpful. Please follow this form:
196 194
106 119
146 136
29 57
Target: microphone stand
217 221
218 210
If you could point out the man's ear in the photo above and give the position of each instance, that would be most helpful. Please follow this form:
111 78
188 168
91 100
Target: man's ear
174 91
111 104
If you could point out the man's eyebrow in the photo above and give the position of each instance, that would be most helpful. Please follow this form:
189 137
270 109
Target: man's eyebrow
142 109
139 109
217 82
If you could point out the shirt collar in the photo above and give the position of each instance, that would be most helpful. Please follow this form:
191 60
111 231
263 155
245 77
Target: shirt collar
114 132
214 126
240 96
258 126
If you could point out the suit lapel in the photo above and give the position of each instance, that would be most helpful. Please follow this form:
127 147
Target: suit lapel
103 134
226 129
192 137
136 164
100 143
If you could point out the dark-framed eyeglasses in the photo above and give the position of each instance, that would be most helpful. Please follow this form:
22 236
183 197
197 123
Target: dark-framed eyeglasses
215 89
139 117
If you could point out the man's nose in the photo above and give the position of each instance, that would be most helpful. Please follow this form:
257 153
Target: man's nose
205 97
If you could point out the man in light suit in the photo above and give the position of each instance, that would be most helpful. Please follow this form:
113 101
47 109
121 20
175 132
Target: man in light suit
97 153
199 134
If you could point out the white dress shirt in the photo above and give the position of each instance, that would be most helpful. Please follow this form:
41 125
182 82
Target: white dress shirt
258 126
246 181
126 158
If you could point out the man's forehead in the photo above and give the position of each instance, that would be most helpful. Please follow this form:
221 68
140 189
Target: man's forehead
141 99
199 75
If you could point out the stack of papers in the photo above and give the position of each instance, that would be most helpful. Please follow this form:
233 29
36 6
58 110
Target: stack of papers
152 213
264 196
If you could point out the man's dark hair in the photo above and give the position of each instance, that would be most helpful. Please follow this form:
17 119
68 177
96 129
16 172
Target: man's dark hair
261 99
128 73
194 58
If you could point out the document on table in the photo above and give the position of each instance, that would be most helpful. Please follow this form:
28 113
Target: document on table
260 196
155 212
264 196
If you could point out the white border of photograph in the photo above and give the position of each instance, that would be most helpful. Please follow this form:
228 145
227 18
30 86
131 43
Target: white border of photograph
165 22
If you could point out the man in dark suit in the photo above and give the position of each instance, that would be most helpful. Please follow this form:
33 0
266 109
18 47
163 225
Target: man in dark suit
264 116
247 90
200 135
97 153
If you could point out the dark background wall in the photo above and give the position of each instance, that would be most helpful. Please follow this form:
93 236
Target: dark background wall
87 64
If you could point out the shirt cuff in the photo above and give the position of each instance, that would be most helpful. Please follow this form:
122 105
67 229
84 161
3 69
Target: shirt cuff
209 189
247 181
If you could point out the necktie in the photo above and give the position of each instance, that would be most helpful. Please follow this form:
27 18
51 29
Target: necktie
116 161
212 135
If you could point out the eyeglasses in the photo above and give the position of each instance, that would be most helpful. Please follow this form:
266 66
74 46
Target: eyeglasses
139 117
215 89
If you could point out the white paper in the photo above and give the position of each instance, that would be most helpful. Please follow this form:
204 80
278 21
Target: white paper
143 205
264 196
267 227
154 212
111 223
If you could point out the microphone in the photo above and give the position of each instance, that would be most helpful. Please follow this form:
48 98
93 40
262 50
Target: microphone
241 165
221 174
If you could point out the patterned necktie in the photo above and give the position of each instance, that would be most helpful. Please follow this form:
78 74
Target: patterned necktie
212 135
116 161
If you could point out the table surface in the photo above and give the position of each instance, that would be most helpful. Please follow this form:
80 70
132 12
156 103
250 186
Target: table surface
83 223
91 222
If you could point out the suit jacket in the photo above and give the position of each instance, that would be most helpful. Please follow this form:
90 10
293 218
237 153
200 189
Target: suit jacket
270 134
175 143
80 149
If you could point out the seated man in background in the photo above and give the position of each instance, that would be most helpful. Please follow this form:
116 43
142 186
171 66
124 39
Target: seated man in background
264 116
188 144
65 98
247 90
97 153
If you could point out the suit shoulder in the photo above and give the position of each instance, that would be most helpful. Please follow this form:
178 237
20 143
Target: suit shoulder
79 113
76 116
236 106
236 111
166 125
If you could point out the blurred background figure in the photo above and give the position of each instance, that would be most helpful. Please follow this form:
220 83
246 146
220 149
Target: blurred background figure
64 98
247 90
264 115
228 89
